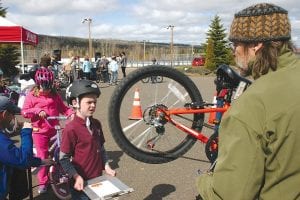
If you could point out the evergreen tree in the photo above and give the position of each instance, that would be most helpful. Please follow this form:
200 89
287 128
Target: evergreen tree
221 52
2 11
210 56
8 54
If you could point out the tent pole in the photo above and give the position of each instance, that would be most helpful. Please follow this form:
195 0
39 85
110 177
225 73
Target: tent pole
22 58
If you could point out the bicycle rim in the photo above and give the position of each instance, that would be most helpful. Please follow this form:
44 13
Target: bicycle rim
59 182
136 137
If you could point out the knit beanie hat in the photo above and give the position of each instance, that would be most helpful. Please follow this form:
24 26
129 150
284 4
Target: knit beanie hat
260 23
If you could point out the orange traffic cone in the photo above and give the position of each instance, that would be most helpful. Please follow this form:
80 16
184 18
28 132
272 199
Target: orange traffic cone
136 112
212 115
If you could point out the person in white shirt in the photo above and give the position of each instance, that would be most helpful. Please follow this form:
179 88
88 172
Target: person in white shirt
113 67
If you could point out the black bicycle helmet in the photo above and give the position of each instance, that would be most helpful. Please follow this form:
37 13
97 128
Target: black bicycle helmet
81 87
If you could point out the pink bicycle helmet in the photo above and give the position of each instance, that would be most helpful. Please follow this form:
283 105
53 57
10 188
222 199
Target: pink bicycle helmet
44 77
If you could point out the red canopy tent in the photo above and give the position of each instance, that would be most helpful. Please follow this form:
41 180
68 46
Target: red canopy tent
13 33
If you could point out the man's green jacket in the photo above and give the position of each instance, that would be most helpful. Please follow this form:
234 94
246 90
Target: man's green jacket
259 140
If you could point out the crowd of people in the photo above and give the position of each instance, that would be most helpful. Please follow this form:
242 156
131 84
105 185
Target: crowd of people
105 67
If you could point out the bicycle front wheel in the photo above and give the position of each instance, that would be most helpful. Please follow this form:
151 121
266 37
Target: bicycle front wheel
150 138
60 182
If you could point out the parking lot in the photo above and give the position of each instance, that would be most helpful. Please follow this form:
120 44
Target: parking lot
174 180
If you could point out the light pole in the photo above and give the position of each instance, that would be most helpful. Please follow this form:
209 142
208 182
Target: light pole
171 27
89 21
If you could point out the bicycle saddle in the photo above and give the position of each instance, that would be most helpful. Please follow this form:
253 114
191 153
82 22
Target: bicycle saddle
228 78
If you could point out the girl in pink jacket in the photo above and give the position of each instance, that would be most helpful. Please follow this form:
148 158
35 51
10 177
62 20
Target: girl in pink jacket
41 102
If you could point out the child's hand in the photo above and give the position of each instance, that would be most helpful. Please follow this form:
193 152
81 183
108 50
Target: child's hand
71 117
79 183
42 114
27 125
109 170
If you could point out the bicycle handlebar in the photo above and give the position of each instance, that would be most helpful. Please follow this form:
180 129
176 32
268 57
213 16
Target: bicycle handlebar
57 118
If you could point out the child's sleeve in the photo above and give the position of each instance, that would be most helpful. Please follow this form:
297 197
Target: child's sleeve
66 150
18 156
104 156
29 110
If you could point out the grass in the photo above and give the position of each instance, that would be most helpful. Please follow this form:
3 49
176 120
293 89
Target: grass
195 70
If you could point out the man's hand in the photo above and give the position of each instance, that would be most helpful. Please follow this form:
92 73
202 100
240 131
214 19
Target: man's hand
79 182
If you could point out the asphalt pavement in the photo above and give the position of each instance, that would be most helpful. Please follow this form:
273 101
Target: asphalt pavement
169 181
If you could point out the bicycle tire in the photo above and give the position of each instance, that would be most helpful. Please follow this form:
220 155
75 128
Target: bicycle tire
121 101
60 188
145 80
211 147
159 79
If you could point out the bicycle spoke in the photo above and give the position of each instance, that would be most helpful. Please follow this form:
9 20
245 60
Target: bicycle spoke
142 138
137 132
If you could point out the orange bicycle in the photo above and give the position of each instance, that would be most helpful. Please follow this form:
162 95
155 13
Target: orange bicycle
168 116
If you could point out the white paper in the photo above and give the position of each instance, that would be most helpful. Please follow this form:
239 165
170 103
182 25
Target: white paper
104 188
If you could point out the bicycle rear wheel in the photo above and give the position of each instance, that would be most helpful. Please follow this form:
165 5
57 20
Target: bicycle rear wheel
148 139
59 182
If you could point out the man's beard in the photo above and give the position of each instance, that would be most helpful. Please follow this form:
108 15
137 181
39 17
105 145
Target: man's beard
244 69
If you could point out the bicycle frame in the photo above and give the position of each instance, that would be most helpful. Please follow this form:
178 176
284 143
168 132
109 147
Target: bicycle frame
55 139
222 105
199 135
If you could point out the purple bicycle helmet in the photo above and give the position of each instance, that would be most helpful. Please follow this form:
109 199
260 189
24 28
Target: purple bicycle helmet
44 78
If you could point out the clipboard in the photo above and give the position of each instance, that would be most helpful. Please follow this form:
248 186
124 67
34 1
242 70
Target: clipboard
105 187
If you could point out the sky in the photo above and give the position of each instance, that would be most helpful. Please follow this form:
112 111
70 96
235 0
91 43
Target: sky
135 20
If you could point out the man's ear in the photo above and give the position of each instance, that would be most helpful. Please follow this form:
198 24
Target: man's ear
258 46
